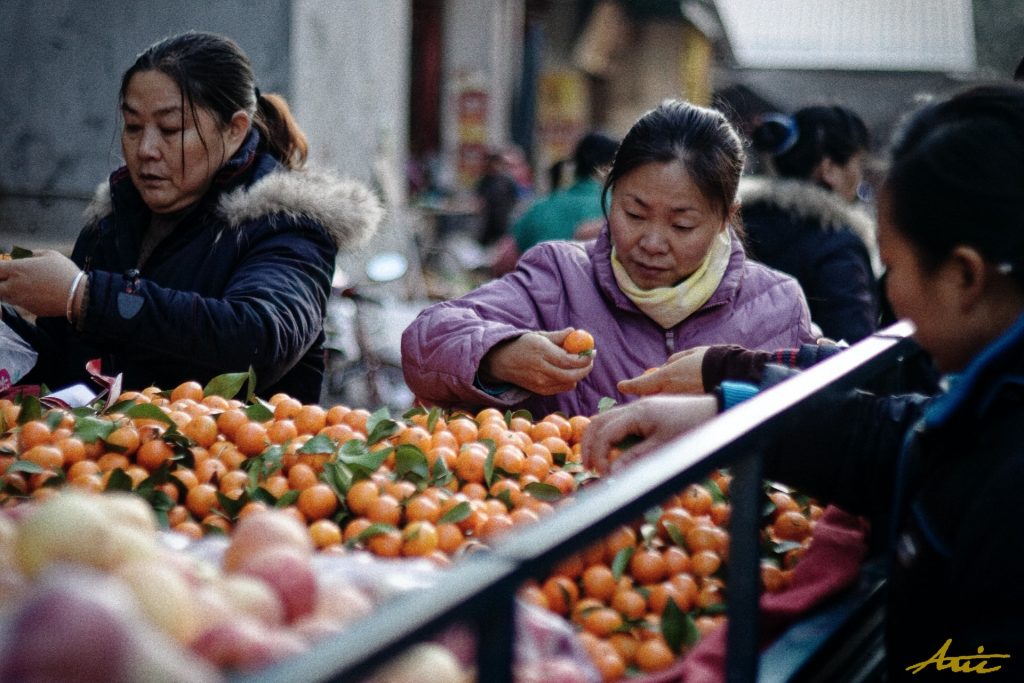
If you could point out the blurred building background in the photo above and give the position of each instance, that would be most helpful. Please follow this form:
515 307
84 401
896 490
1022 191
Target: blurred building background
410 94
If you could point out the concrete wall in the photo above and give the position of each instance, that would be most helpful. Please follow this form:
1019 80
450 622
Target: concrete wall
60 68
350 75
350 92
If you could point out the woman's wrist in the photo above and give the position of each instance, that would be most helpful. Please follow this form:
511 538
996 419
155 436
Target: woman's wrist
728 361
487 373
82 301
74 301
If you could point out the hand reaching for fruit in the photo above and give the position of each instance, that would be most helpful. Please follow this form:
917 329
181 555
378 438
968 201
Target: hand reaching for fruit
539 362
681 374
655 420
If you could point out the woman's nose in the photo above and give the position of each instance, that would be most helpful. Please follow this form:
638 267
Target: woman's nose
653 241
149 144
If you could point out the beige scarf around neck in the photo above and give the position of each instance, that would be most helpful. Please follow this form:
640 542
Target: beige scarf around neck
669 306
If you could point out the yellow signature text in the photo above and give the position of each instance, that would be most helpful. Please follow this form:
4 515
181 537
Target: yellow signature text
968 664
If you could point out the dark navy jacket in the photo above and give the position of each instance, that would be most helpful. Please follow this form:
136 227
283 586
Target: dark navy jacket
242 281
813 235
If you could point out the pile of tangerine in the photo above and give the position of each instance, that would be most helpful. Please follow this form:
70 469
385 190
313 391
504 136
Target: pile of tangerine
202 474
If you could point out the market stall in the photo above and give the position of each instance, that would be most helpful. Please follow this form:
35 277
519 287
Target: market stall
471 600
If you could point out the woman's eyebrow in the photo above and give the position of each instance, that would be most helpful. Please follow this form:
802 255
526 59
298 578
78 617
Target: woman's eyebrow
128 109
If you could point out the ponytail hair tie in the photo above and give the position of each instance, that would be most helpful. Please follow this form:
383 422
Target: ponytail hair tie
792 132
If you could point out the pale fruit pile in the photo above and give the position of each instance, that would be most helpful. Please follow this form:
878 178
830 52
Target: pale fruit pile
88 580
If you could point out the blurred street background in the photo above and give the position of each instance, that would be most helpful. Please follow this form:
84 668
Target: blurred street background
412 95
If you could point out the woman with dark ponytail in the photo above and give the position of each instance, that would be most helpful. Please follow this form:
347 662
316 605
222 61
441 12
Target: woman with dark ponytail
211 251
802 220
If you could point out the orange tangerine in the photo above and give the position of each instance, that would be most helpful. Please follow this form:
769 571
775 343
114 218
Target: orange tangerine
325 533
654 655
251 438
317 501
578 341
301 476
187 390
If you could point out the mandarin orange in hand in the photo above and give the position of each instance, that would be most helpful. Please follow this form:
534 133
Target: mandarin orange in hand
579 341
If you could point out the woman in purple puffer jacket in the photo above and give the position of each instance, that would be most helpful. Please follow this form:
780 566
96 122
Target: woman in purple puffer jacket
667 273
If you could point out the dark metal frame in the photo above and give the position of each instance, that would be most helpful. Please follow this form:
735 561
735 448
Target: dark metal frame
480 590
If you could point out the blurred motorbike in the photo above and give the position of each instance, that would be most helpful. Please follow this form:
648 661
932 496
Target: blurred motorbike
364 324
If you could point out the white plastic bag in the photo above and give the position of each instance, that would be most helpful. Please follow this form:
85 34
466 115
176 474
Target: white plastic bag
16 357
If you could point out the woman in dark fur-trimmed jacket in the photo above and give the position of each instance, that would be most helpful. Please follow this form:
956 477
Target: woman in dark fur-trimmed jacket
803 221
210 251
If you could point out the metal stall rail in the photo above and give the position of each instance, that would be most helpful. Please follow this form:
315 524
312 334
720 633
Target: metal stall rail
480 590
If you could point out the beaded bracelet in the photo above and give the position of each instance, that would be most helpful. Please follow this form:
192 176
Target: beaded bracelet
71 295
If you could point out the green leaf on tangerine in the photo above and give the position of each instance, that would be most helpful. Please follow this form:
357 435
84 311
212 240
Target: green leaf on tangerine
31 409
150 412
257 412
676 533
489 462
91 429
320 443
543 492
410 461
227 385
119 481
621 561
673 626
456 514
369 532
287 498
25 466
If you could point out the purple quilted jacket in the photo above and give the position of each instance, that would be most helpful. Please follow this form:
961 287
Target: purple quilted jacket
571 284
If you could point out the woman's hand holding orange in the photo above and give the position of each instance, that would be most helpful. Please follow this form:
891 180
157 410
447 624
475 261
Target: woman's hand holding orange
681 374
39 284
536 362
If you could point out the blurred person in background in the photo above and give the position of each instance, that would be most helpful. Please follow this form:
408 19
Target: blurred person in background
498 192
803 220
667 272
210 251
558 216
940 475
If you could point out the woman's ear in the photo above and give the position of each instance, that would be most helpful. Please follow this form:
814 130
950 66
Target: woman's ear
827 172
970 273
734 213
238 128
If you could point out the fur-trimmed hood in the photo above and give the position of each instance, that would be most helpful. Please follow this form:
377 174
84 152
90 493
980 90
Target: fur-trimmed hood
812 203
346 208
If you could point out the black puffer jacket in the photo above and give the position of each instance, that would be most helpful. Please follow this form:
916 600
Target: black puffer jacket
827 245
941 479
242 281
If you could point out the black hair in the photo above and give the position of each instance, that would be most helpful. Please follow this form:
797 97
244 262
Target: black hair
215 74
593 152
1018 73
702 139
797 144
956 176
